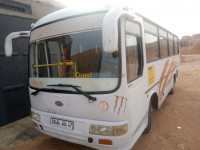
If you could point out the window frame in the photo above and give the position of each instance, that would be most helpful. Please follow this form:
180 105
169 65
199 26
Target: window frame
141 66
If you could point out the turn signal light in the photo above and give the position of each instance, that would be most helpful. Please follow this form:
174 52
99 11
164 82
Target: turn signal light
35 124
105 142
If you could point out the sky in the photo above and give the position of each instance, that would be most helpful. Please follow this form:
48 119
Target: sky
181 17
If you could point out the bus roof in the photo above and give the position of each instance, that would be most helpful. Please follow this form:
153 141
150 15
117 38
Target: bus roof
74 12
66 13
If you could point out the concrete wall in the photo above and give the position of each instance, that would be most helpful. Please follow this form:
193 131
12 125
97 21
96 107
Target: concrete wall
39 8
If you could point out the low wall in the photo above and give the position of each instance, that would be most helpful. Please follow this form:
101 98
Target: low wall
186 58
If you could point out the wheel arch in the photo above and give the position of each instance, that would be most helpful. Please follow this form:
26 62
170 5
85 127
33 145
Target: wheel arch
174 77
154 100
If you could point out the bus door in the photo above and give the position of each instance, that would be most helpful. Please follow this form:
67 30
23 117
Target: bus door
134 68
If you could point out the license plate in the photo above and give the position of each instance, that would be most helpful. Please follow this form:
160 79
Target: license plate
62 123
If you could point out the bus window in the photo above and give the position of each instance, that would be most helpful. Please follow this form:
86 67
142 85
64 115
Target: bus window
54 55
133 57
150 28
171 47
163 43
175 45
42 59
163 47
151 42
171 51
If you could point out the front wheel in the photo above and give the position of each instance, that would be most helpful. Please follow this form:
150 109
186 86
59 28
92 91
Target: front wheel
148 128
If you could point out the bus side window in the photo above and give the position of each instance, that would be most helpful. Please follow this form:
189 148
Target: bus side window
152 52
134 51
163 43
133 57
171 44
176 45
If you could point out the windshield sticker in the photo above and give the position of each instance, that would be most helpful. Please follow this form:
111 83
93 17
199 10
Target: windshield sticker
92 75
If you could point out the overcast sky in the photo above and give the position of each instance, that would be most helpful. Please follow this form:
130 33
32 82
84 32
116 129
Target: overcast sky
181 17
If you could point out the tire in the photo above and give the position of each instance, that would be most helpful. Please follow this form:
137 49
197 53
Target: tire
148 128
173 87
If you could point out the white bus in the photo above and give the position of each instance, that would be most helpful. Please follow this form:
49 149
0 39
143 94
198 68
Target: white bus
95 75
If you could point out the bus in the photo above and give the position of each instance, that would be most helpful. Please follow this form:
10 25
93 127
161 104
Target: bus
95 75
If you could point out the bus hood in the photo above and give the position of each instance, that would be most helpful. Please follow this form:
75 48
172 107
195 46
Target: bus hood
107 107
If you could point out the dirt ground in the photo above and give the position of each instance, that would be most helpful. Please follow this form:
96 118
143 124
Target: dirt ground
175 126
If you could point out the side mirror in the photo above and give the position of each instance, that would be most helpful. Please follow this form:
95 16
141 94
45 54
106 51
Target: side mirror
10 37
110 27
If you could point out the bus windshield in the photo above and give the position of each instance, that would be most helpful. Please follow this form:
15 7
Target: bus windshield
77 59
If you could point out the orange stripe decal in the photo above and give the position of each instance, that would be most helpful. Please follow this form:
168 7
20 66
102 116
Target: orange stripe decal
163 74
171 75
166 78
122 99
117 97
125 105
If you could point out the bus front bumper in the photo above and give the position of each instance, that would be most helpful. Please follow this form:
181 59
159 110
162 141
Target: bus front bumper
79 133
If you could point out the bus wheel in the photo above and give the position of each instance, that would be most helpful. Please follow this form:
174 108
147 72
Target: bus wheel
148 128
173 87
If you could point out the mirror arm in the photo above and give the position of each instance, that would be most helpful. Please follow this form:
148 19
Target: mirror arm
110 27
10 37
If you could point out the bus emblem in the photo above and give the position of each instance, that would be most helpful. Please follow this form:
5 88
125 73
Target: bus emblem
103 106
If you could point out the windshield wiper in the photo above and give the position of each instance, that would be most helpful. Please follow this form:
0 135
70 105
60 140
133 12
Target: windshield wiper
42 89
77 89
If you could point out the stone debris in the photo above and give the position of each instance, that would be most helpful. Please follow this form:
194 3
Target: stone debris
180 146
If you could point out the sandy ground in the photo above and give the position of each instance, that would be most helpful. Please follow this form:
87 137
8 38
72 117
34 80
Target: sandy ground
175 126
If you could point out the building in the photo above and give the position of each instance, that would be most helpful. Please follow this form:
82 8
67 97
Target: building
17 15
189 40
190 45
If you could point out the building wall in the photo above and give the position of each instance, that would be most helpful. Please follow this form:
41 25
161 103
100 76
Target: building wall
15 16
14 97
38 8
190 45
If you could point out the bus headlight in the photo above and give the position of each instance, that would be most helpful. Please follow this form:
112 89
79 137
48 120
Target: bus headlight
108 130
35 116
120 130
